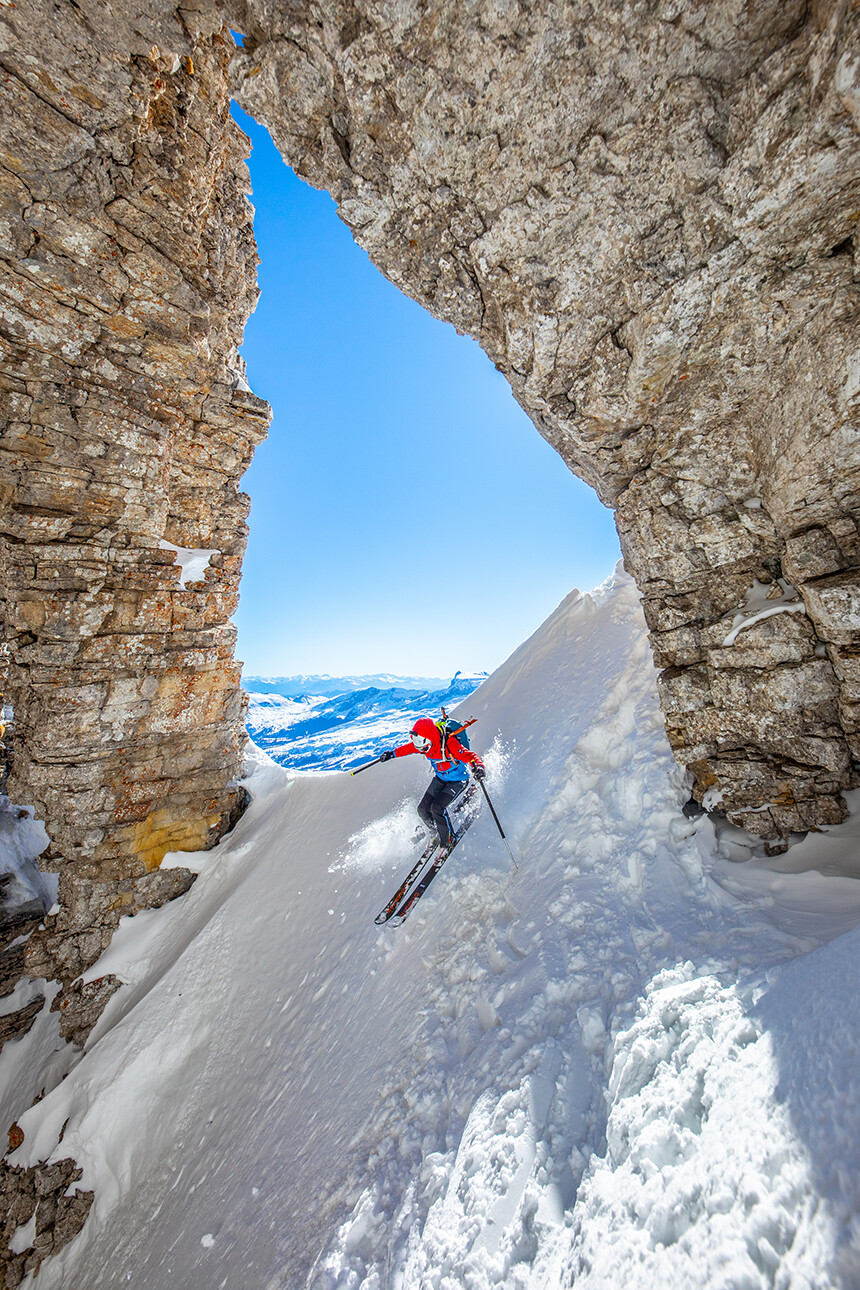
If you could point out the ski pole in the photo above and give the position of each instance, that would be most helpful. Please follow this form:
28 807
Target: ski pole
366 766
498 824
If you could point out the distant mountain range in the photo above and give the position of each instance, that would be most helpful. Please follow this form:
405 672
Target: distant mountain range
330 686
317 731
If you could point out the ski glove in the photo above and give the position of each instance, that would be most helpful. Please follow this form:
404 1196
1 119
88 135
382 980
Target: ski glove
478 771
386 756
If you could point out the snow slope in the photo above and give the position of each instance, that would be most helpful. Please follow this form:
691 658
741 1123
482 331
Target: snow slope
601 1069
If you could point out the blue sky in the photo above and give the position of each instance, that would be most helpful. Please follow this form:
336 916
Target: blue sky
406 515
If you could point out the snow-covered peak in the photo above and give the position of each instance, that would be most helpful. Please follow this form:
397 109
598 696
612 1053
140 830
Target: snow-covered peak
329 686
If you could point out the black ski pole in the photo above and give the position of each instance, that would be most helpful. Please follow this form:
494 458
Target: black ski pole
366 766
498 823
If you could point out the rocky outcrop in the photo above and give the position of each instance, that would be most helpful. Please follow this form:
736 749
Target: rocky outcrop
40 1216
128 268
646 216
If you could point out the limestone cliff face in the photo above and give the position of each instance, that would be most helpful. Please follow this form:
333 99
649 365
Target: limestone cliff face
645 213
128 268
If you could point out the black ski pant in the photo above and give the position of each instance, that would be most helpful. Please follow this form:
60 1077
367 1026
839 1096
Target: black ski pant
433 807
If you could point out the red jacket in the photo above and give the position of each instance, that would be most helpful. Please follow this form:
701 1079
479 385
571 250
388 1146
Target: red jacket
449 764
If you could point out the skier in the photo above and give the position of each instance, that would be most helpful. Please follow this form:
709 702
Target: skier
449 759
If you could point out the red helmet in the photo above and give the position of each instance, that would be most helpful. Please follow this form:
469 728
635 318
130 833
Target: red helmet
424 734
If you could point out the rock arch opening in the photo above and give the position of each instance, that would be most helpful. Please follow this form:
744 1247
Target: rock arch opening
647 256
406 518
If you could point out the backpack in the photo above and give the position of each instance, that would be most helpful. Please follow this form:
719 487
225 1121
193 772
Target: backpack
446 727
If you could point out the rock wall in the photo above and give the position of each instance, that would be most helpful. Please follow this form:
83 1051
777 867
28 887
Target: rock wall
128 271
646 215
39 1196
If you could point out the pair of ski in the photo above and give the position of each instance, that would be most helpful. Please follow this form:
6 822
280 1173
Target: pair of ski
406 897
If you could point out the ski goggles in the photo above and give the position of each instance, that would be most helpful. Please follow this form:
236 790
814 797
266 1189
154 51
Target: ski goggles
421 742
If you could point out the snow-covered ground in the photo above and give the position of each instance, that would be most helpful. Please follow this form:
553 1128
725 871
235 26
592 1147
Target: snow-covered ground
630 1063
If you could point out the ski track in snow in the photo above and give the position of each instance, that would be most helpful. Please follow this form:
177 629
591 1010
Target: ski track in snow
602 1069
